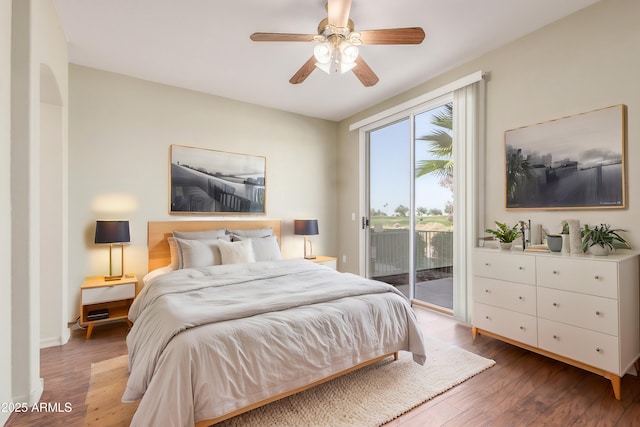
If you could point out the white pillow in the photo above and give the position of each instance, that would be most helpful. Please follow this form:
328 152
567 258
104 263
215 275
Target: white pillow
257 232
264 248
200 235
199 253
236 252
176 252
176 257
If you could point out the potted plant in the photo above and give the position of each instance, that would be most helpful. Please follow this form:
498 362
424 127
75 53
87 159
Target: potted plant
505 234
602 239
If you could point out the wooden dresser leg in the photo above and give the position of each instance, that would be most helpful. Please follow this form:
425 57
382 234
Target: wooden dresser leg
395 356
89 330
615 382
474 332
637 366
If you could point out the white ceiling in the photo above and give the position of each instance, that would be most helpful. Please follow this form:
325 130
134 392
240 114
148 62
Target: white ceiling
204 45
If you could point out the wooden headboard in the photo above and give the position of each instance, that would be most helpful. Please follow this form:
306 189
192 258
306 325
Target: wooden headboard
159 231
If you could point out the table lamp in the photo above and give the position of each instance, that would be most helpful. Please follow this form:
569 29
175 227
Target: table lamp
113 232
306 227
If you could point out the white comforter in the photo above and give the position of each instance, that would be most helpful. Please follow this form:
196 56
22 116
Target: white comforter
208 341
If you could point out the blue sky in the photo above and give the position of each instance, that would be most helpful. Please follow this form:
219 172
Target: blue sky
390 169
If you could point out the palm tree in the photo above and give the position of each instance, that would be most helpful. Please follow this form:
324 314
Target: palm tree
519 173
441 147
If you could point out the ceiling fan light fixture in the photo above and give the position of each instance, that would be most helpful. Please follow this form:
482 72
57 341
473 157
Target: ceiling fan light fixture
326 66
344 67
348 53
323 52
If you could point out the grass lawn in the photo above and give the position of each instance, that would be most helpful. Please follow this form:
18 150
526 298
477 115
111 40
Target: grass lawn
403 221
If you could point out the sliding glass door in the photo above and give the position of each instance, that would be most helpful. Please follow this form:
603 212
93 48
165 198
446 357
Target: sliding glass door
389 204
410 198
434 169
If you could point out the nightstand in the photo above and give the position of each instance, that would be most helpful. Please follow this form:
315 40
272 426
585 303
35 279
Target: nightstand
102 301
329 261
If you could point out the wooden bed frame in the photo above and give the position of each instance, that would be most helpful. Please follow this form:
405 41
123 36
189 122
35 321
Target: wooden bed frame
159 256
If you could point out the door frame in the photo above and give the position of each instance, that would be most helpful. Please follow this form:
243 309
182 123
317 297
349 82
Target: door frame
468 184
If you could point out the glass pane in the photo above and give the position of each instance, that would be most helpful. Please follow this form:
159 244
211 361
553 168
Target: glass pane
389 201
434 206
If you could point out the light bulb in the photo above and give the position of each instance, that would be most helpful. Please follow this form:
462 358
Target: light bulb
323 52
348 56
348 53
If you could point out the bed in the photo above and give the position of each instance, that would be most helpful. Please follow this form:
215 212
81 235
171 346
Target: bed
209 342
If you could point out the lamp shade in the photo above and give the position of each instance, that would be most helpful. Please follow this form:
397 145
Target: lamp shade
112 232
305 227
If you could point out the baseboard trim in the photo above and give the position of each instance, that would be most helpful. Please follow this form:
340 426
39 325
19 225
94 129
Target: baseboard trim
55 341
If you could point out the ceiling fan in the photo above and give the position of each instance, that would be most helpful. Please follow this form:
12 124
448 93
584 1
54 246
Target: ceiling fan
336 49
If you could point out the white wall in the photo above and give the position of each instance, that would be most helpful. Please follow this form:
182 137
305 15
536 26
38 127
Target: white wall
37 43
5 204
586 61
53 296
50 67
120 130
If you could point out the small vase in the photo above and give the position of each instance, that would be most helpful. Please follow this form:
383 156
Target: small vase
598 250
505 246
554 241
575 236
565 243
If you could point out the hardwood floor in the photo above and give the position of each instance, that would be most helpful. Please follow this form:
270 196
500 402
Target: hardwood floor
522 389
66 371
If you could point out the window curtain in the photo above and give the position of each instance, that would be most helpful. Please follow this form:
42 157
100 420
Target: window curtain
468 150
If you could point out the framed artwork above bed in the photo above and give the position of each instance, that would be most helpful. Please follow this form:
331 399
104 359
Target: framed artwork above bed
204 181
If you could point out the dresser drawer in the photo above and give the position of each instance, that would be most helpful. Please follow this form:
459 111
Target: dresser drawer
586 311
508 295
108 293
517 326
579 275
505 266
593 348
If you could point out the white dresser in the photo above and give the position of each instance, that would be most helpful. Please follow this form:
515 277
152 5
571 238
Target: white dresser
579 309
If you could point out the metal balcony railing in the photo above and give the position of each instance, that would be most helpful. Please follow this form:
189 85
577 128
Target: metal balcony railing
390 251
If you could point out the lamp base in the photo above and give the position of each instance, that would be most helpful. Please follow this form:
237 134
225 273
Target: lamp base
110 278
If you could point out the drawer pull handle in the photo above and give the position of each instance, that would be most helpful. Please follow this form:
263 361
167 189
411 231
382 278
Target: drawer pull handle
520 298
486 317
487 291
487 264
555 337
520 268
522 328
599 350
555 272
598 313
555 304
596 277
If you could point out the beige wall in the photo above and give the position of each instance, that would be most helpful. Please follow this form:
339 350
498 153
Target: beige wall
586 61
120 132
5 204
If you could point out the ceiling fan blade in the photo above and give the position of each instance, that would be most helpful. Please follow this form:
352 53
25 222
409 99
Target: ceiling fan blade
304 71
338 12
413 35
364 73
282 37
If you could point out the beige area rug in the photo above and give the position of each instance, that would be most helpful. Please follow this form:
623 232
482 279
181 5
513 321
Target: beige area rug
371 396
